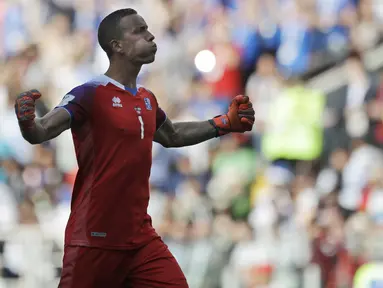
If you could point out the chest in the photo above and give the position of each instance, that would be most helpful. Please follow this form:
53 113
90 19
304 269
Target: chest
120 113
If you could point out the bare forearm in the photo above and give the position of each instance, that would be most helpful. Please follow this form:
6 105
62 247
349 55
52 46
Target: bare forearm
35 134
240 118
47 127
191 133
184 133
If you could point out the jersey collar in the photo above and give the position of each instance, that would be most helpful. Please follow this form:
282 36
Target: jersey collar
105 80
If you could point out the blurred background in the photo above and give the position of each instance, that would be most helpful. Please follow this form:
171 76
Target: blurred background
296 203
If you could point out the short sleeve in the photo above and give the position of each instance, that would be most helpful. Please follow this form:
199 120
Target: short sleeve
160 117
160 114
78 103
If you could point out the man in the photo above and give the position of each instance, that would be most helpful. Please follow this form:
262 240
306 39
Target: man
109 238
347 107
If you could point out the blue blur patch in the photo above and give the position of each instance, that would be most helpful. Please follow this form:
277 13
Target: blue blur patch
6 151
377 284
3 176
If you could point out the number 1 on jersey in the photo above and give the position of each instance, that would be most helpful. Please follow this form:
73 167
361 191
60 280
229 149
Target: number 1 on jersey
138 110
142 126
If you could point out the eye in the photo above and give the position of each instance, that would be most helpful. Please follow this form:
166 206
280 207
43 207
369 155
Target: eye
142 29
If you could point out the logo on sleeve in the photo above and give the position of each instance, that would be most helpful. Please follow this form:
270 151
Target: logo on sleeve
148 105
116 102
65 101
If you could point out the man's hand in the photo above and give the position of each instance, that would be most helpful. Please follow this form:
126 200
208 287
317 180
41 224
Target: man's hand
239 118
37 131
25 108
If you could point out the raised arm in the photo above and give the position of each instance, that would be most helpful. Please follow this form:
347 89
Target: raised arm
184 133
240 118
38 130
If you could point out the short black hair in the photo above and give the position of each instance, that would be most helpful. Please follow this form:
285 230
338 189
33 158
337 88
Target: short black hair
109 28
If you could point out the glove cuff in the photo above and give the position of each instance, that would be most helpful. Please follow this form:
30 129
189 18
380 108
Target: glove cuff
221 124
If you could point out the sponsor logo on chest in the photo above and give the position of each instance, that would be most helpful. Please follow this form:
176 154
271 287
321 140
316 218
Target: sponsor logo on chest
116 102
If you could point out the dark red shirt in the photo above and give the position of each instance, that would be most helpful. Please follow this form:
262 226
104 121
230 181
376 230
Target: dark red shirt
112 130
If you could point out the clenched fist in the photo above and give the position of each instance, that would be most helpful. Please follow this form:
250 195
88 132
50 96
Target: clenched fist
239 118
25 107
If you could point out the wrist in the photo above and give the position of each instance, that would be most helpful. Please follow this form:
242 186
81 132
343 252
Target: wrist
221 124
26 125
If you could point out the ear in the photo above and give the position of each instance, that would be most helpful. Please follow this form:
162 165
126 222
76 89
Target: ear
116 46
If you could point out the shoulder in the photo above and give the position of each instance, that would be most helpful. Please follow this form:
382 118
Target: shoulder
86 89
83 89
145 89
79 93
147 92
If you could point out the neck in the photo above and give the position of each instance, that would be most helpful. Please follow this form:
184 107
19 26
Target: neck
124 73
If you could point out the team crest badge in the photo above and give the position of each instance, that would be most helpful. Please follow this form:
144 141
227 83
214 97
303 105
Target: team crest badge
148 105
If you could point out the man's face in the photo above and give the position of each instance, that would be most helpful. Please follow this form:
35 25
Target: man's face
136 42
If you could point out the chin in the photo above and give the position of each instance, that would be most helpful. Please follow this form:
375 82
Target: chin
149 60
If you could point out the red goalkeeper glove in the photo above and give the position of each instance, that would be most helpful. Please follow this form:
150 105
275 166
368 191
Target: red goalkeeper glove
239 118
25 108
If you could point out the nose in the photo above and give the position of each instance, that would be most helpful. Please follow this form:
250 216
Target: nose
151 37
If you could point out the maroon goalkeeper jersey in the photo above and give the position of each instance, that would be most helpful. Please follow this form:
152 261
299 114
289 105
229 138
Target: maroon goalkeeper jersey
113 130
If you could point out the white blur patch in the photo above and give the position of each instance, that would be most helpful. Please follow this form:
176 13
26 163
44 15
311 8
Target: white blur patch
205 61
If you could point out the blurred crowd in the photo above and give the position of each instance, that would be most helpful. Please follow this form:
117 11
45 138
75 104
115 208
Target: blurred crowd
298 202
